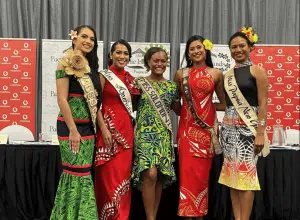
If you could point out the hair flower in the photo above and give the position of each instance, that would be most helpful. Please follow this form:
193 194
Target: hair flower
73 34
75 63
249 32
207 44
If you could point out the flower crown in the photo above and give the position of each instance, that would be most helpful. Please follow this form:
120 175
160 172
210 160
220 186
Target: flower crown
249 32
207 44
73 34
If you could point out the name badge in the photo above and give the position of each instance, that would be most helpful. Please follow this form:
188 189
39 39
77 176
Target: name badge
3 138
54 140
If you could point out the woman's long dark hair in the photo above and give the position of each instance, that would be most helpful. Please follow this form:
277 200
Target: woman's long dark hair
92 56
208 60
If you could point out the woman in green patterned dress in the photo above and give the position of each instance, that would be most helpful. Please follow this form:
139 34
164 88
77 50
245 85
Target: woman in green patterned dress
153 163
76 74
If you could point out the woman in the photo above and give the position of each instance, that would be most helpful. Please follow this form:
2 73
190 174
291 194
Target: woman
241 139
113 159
197 140
153 163
76 125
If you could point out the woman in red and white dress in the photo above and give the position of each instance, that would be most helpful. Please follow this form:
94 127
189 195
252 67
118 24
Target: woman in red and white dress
195 143
114 143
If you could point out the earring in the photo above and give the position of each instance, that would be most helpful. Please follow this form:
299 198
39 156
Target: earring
190 61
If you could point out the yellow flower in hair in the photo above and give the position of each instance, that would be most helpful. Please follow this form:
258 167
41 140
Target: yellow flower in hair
255 38
207 44
248 31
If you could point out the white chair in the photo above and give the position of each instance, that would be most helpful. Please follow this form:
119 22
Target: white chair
18 133
292 137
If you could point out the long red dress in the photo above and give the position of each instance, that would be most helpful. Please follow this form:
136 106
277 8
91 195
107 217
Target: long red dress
195 155
113 166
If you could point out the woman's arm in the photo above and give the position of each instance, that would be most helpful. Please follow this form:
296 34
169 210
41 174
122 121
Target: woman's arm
62 86
219 89
106 135
178 80
262 93
176 106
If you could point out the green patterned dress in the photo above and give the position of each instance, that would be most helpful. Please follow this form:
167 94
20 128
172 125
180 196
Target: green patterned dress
152 143
75 198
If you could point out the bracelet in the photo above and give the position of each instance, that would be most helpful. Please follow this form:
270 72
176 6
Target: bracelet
261 122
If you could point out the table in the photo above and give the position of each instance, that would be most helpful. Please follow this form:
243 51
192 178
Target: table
29 177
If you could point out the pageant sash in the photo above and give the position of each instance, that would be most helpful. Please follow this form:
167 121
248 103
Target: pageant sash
243 108
157 104
90 95
121 89
215 144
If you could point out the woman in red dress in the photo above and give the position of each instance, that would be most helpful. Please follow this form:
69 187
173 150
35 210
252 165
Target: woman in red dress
197 140
114 143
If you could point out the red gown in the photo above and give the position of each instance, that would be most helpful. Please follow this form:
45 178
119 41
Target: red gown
195 156
113 166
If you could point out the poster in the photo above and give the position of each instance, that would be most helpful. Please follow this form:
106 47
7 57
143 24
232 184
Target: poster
18 88
282 64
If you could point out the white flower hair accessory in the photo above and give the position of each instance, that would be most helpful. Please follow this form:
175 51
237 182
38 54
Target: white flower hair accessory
73 34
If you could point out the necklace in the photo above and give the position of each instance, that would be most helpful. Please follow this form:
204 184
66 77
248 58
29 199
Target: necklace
239 65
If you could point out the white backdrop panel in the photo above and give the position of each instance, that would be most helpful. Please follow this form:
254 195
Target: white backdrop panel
52 51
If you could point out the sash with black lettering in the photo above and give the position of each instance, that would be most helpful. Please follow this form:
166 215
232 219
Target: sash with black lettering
158 104
243 108
90 95
122 90
215 145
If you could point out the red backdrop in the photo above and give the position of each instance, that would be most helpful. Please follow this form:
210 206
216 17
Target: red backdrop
282 65
17 83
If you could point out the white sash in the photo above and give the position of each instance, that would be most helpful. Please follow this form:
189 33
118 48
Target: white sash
243 108
121 89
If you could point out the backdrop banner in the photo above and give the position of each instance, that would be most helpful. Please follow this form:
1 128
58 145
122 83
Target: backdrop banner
18 88
283 66
52 51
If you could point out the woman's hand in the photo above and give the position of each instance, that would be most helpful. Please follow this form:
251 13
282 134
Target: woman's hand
74 139
107 138
259 143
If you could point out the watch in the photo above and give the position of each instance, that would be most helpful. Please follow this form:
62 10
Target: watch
262 122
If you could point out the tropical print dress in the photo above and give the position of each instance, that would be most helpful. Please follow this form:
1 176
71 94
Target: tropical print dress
239 166
152 142
194 145
75 197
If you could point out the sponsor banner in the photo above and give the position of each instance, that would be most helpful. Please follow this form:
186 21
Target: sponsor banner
136 65
18 87
52 51
282 65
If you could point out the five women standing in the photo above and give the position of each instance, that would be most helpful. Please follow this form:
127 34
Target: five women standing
80 119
